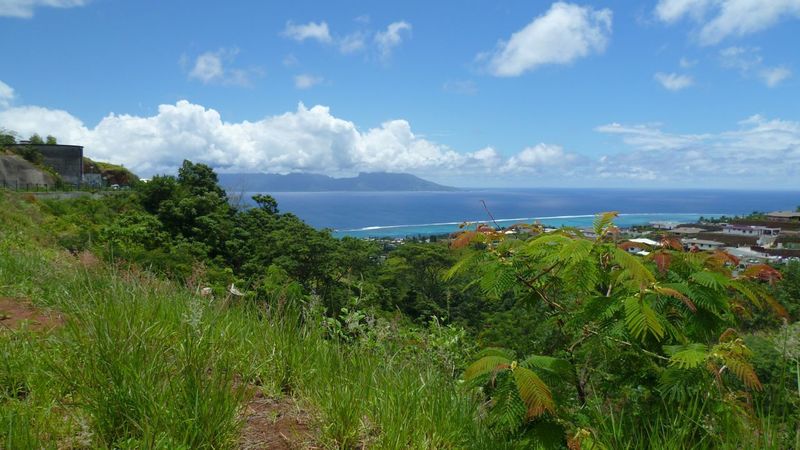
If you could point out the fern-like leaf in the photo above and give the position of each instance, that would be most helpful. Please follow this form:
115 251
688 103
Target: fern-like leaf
674 293
532 390
603 222
687 356
642 320
712 280
633 268
487 365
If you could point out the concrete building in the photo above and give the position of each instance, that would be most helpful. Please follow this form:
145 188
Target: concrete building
66 160
701 244
784 216
751 230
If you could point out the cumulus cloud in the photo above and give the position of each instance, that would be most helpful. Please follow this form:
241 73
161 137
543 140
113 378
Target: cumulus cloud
749 63
391 38
6 95
674 81
758 149
563 34
311 30
306 81
209 67
308 139
24 8
719 19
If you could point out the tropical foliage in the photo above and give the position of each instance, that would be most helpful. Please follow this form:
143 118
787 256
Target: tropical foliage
181 305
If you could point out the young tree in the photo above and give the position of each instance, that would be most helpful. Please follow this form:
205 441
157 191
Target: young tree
51 140
625 323
35 139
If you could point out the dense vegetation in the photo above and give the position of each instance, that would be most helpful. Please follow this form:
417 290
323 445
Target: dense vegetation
181 306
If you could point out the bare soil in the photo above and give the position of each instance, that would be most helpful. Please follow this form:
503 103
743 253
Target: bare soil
15 312
275 424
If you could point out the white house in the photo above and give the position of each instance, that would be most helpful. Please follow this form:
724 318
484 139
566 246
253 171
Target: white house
701 244
751 230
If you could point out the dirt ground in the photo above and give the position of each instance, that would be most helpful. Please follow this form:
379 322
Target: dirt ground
275 425
15 312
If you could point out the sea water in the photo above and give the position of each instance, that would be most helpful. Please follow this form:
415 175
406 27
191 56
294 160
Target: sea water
402 214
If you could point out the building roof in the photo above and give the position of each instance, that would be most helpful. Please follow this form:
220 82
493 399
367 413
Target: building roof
701 242
784 214
687 230
751 227
740 252
646 241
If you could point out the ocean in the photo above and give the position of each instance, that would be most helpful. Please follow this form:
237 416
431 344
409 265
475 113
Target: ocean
402 214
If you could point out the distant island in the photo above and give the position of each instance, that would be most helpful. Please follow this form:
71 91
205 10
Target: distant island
310 182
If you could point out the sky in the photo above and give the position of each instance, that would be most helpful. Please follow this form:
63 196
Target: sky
665 93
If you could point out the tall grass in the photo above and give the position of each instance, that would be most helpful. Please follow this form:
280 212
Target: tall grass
142 363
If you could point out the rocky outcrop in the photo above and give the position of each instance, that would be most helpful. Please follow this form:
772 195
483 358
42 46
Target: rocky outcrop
17 173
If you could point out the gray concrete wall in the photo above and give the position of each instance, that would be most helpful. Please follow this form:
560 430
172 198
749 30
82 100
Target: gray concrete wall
16 173
67 160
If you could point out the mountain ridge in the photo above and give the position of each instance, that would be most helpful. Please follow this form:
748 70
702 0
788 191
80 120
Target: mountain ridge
311 182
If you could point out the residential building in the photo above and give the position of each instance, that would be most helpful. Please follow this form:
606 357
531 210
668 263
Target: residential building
701 244
784 216
751 230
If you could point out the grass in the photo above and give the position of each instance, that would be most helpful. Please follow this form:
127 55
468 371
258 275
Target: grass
144 363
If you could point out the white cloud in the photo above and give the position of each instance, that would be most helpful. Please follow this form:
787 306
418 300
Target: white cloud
306 81
759 149
773 76
674 81
312 30
463 87
352 43
209 68
720 19
24 8
392 37
308 139
6 95
749 63
561 35
359 40
686 63
314 140
540 157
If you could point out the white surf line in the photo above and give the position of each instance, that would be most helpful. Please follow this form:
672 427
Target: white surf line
519 219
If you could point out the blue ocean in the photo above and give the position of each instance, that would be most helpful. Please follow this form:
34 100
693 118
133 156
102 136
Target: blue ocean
403 214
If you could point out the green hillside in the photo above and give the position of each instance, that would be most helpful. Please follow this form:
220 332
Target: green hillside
163 317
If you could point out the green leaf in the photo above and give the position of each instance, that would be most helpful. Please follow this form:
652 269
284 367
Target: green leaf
712 280
633 268
687 356
641 319
555 366
603 221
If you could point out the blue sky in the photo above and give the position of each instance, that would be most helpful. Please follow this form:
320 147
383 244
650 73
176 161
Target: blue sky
675 93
